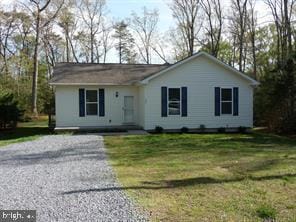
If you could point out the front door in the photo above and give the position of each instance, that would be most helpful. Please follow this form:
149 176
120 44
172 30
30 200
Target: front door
128 109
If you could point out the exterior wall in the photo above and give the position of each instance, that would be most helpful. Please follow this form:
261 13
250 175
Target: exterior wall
200 75
141 103
67 106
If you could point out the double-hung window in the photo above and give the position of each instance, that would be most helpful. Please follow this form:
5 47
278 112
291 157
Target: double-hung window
226 101
174 101
91 102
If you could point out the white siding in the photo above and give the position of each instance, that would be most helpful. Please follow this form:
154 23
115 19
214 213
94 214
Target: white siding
141 103
200 75
67 106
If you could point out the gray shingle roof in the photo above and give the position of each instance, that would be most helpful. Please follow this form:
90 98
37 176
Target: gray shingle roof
105 74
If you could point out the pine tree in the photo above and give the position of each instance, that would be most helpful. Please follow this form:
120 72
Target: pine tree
125 44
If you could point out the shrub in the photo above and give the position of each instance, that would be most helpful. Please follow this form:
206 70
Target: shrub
158 129
202 127
48 105
266 212
184 130
222 130
242 129
9 111
27 117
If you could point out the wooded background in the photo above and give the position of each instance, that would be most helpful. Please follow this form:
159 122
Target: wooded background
36 34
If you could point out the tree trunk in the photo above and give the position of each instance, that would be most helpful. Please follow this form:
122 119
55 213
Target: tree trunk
35 67
191 41
67 45
105 55
288 31
120 49
234 51
147 55
73 51
240 58
278 46
254 58
91 45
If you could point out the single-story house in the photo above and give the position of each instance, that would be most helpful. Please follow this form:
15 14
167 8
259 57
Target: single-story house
197 91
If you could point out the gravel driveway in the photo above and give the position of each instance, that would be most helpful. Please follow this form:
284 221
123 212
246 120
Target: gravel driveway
64 178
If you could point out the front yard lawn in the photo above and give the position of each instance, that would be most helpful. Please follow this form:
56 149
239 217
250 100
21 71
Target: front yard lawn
25 132
208 177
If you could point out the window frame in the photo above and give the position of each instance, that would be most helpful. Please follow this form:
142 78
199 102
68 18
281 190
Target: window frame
97 102
168 101
226 101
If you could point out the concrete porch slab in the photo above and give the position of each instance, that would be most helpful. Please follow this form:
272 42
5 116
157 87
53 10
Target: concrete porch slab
129 132
99 129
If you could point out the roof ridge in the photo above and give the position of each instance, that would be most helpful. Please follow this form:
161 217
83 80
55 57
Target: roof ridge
127 64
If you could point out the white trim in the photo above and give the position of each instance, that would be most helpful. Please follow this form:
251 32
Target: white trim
180 101
91 102
252 81
225 114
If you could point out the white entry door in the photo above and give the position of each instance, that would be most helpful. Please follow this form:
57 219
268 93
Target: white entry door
128 109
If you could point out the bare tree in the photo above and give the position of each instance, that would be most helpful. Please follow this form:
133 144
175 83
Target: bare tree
282 11
92 13
107 42
22 41
40 22
180 50
145 28
214 22
162 46
159 49
65 22
276 6
188 22
7 28
288 7
252 26
82 40
52 47
68 23
238 23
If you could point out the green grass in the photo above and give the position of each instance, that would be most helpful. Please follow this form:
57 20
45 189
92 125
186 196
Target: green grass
25 132
208 177
266 212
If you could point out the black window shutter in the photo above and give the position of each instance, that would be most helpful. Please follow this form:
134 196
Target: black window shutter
184 101
101 102
164 101
235 101
81 102
217 101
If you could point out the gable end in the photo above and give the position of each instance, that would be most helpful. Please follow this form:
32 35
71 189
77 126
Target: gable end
208 56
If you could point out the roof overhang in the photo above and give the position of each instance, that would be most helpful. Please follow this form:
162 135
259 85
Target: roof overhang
88 84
